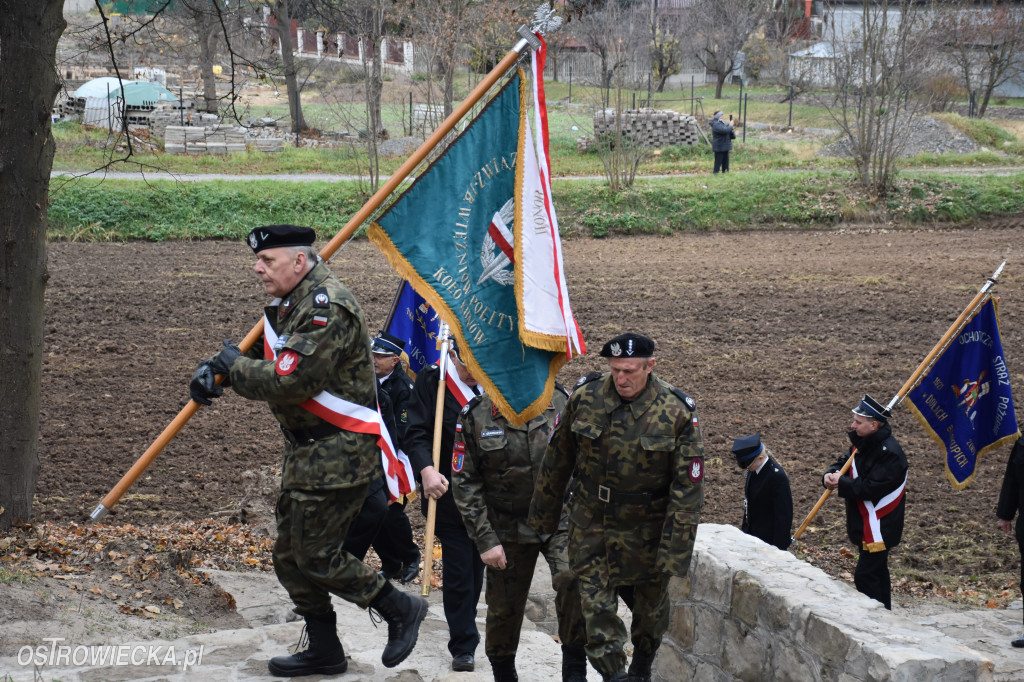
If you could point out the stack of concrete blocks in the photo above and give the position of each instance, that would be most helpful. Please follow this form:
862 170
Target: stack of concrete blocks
268 144
224 139
748 611
170 114
650 128
217 139
184 140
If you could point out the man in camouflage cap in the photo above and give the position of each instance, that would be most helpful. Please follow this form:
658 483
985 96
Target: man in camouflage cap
494 465
635 446
315 351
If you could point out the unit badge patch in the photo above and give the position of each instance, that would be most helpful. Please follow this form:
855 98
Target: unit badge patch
458 456
696 470
287 362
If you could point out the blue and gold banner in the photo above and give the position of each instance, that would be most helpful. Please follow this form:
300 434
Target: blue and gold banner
418 324
964 401
445 235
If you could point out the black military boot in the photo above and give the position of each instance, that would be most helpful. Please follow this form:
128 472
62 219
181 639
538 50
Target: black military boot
574 664
403 614
615 677
324 654
640 667
504 669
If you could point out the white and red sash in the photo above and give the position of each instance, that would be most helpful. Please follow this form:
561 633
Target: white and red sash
462 391
350 416
872 513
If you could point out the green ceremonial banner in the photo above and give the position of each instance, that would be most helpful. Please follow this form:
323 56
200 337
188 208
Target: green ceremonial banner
447 234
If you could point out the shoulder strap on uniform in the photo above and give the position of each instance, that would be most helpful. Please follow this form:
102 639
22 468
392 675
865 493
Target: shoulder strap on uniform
473 402
587 378
690 402
562 388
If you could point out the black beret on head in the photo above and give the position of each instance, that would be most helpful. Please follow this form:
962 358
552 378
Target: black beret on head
746 449
628 345
273 236
388 344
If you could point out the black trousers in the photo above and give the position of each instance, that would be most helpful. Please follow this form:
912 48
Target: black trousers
1020 548
463 574
394 544
366 525
872 576
722 161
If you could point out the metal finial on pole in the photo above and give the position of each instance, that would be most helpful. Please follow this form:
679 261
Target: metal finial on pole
545 20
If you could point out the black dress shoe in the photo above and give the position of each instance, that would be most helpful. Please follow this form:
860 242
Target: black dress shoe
408 573
1018 643
463 663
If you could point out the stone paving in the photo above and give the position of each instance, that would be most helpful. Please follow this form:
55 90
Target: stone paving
242 655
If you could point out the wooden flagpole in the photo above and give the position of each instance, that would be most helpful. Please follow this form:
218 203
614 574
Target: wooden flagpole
444 342
527 38
907 387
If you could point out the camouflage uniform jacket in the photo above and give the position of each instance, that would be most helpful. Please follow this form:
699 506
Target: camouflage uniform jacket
494 468
323 345
650 445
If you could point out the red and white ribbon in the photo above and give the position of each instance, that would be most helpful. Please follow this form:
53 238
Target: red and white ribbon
872 513
462 391
357 418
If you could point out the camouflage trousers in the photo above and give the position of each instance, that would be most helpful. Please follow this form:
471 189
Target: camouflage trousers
308 558
606 633
507 591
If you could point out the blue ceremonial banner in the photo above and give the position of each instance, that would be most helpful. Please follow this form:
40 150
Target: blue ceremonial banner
448 235
964 401
418 324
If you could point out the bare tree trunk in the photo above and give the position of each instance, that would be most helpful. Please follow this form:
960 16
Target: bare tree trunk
28 85
284 31
448 79
207 38
718 84
374 86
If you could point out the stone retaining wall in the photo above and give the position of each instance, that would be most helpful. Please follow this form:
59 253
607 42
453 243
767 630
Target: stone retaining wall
748 611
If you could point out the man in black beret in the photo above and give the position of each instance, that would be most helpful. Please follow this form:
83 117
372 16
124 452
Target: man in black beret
875 492
767 499
312 366
635 445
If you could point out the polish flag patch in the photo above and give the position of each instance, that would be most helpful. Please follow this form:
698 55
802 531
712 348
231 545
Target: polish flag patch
320 320
287 362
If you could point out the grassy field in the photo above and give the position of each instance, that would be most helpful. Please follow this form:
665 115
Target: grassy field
112 210
775 183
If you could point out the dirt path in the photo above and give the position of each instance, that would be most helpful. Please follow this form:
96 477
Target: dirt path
773 332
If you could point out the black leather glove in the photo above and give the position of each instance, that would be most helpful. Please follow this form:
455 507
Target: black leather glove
222 361
203 387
